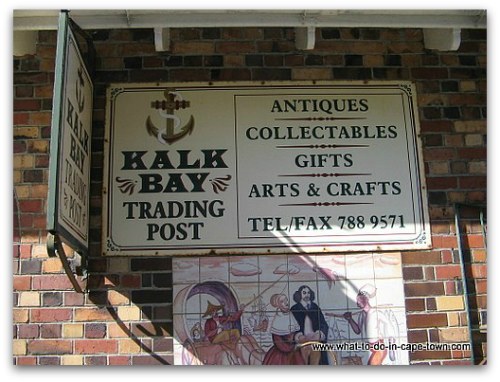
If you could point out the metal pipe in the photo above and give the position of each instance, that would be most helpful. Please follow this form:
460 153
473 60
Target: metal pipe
464 279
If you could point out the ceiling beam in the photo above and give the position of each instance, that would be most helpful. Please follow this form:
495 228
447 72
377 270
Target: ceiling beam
441 27
115 19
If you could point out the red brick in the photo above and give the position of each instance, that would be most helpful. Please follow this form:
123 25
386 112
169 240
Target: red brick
189 75
26 221
421 355
474 241
468 182
41 118
25 251
51 282
49 347
193 47
441 183
444 242
235 47
92 346
51 315
39 221
234 74
50 330
419 258
466 99
450 287
457 362
135 49
413 273
476 196
482 302
431 154
153 360
28 331
26 361
34 205
415 304
26 104
119 360
447 256
481 286
21 118
24 91
436 126
472 153
131 281
429 73
479 271
30 78
423 289
22 282
19 147
447 272
417 336
426 320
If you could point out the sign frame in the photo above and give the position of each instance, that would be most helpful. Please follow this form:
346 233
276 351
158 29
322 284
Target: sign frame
60 222
408 94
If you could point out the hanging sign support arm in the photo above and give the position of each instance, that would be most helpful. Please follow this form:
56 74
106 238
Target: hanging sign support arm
55 248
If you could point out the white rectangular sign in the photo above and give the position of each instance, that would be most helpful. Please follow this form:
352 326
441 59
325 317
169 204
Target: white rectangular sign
69 182
258 168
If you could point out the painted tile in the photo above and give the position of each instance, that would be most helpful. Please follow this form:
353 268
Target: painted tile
330 268
389 293
387 265
214 268
332 295
244 269
274 267
359 266
302 268
251 309
186 270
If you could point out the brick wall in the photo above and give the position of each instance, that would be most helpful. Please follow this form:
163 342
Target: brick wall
126 317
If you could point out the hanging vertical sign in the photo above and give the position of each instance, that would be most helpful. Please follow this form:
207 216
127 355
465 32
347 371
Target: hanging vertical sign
259 168
69 177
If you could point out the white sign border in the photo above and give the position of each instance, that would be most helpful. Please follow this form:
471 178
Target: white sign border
422 241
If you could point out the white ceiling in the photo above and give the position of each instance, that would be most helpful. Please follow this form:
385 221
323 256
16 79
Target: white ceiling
441 27
117 18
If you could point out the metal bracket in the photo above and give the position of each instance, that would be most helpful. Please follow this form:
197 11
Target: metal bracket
55 248
162 39
442 39
305 37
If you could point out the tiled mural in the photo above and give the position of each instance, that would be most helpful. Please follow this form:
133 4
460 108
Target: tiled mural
278 310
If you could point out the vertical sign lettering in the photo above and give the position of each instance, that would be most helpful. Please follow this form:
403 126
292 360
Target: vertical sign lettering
70 146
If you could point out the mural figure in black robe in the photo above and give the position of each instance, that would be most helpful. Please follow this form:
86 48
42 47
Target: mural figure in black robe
312 324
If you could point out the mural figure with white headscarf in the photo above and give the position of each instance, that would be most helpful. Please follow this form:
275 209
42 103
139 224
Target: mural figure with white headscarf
374 326
286 335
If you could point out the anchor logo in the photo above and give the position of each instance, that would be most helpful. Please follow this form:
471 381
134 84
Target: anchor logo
173 101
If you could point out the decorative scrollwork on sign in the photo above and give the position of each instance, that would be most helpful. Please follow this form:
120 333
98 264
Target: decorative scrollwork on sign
220 184
110 245
421 239
406 88
126 186
115 91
